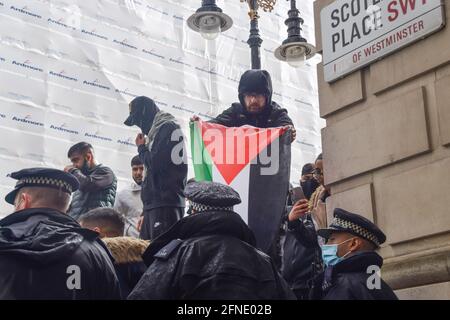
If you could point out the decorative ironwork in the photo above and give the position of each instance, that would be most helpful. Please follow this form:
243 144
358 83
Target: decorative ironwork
253 14
267 5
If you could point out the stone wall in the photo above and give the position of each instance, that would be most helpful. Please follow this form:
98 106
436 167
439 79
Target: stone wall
386 150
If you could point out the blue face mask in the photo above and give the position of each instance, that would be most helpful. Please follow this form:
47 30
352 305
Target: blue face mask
329 253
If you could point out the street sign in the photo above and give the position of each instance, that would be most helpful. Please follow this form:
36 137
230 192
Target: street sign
357 32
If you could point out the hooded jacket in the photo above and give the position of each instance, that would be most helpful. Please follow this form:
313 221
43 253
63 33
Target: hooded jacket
254 81
348 280
209 255
130 267
164 179
45 254
97 189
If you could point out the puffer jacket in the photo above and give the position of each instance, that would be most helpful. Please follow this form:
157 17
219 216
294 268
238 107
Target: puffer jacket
97 189
130 267
209 255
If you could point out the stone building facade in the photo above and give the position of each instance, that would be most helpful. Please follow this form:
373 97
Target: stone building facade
386 148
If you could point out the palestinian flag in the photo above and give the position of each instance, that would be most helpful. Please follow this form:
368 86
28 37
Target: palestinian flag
253 161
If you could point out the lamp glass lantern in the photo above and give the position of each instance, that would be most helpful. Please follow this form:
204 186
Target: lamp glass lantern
209 20
295 49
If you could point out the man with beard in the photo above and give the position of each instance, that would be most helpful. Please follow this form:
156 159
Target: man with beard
162 150
209 255
255 106
44 253
128 201
98 184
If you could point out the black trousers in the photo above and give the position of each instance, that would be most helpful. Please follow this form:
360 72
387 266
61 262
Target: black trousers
159 220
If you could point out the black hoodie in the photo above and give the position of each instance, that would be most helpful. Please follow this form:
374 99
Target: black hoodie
209 255
165 180
254 81
45 254
142 113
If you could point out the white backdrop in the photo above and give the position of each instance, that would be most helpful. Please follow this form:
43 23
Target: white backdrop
68 69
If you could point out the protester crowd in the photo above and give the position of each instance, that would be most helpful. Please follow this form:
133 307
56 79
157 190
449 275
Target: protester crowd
71 235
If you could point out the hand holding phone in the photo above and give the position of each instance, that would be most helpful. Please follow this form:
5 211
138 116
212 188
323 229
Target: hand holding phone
300 208
297 194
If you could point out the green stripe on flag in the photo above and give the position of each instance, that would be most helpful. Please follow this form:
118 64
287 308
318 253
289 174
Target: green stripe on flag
200 156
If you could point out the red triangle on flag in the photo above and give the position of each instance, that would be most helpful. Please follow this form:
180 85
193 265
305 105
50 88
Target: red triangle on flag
233 148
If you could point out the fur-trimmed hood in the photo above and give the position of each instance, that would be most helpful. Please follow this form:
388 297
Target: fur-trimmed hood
126 249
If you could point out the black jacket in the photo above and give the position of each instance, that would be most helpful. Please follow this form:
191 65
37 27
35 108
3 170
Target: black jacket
236 116
209 255
43 253
302 260
164 183
272 116
348 280
97 189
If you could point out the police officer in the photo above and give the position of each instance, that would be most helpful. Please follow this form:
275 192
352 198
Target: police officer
351 261
210 254
44 253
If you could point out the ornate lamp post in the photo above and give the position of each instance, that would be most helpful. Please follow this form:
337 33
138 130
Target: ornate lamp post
295 49
209 20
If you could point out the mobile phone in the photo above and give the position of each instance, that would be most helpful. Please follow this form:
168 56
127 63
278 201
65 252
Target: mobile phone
297 194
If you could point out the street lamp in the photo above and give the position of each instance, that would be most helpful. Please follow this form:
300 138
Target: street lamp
295 49
255 41
209 20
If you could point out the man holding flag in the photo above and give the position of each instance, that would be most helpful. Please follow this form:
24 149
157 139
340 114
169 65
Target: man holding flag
255 106
248 148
